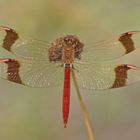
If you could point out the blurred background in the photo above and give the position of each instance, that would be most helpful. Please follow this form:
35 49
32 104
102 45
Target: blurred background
34 114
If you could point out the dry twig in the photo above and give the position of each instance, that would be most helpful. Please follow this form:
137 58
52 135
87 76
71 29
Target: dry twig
83 109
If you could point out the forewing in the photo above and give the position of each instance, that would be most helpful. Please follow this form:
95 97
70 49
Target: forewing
112 48
106 76
31 73
26 48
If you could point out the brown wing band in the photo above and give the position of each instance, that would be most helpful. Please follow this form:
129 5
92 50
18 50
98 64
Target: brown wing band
10 37
120 76
13 70
127 42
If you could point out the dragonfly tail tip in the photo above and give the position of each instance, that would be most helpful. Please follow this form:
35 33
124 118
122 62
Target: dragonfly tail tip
65 125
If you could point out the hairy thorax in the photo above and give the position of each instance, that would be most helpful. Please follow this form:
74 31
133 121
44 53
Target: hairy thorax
65 49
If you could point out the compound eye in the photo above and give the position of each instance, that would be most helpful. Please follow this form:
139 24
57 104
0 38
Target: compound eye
69 41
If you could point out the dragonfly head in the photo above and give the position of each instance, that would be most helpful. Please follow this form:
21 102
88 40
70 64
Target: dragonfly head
71 41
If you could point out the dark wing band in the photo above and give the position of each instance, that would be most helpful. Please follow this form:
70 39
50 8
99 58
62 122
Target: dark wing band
10 38
127 41
13 70
121 75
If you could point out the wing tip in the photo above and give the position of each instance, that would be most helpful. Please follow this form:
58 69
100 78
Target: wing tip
130 33
127 67
5 60
65 125
5 28
133 67
133 32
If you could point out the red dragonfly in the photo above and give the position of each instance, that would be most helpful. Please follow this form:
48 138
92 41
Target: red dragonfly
41 65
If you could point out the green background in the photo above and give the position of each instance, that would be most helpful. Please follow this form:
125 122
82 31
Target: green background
35 114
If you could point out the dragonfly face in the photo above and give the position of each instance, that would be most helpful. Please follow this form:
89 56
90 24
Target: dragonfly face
37 63
65 49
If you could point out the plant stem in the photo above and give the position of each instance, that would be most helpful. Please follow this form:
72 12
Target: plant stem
83 109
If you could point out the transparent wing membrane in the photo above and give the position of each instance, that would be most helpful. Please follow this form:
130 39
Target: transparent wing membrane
31 49
41 75
105 76
35 74
112 48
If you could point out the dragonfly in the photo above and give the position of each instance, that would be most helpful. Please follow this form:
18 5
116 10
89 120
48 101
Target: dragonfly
39 64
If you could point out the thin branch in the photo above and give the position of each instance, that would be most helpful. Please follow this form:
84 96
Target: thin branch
83 109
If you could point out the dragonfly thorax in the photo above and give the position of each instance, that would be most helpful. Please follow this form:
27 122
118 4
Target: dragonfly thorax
65 49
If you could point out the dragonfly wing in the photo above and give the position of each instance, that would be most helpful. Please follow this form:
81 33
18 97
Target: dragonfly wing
106 76
29 73
26 48
113 48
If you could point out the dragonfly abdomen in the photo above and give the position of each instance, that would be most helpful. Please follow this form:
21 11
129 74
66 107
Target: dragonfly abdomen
66 94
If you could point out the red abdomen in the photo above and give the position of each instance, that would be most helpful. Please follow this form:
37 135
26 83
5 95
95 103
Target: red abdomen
66 95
